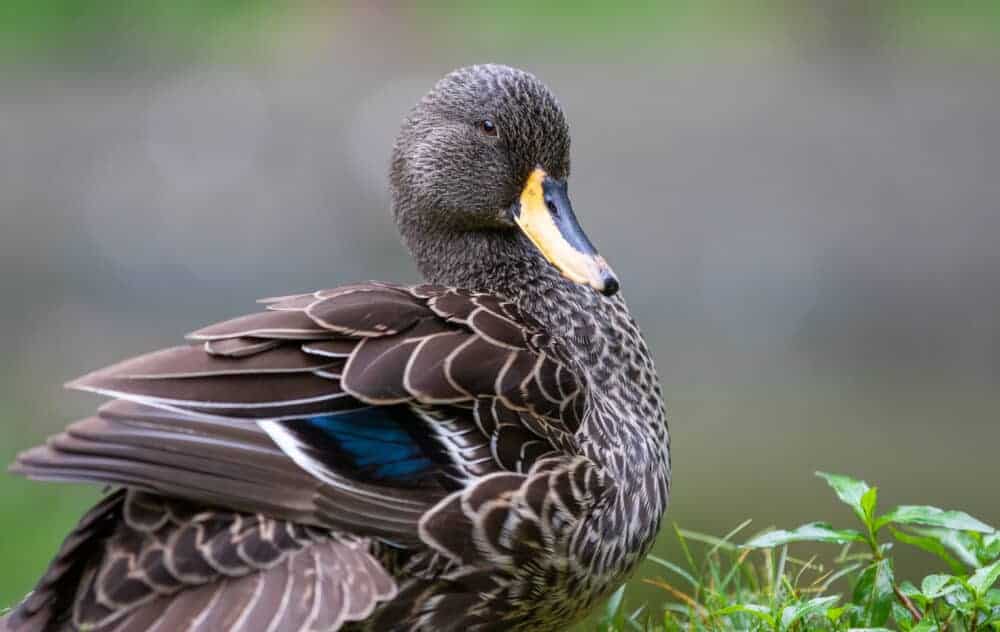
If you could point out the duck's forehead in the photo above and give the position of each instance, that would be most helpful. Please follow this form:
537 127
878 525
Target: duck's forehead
536 132
532 119
503 89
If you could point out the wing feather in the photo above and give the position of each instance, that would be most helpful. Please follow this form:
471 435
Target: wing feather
274 324
196 572
216 462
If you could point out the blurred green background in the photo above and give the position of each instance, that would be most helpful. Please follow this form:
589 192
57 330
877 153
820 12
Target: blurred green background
802 200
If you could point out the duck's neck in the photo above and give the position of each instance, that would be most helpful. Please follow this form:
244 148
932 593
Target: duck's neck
500 262
505 263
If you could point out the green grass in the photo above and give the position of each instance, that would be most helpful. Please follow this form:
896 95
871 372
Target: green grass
765 584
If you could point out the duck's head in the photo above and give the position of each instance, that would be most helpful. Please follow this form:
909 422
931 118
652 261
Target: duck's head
479 181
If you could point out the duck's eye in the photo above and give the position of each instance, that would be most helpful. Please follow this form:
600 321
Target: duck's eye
488 127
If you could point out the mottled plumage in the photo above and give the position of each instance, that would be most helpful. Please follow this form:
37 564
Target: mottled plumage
487 451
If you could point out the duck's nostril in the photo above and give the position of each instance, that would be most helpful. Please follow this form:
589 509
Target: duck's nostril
551 205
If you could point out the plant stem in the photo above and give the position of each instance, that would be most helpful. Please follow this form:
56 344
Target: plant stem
909 604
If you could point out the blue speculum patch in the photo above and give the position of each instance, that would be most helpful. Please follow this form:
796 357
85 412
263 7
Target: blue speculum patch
374 442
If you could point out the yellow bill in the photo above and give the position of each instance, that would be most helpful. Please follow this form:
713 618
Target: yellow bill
546 216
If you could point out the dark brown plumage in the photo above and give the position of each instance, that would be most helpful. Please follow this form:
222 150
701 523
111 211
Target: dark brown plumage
485 452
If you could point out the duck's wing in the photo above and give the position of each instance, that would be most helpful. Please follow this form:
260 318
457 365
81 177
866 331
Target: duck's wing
357 408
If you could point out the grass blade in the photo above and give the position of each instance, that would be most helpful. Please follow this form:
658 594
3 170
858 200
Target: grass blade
674 568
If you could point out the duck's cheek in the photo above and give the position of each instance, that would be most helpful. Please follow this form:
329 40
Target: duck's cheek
544 213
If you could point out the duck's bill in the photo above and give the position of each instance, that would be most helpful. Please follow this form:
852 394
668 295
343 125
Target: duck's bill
545 215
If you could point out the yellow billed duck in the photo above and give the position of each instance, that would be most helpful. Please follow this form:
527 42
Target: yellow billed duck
486 451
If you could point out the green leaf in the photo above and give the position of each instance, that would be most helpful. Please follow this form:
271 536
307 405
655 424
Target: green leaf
960 599
849 490
868 502
993 596
834 614
930 545
991 546
963 545
874 590
992 620
812 532
913 593
933 517
795 612
902 616
934 586
907 588
761 612
852 615
983 579
926 625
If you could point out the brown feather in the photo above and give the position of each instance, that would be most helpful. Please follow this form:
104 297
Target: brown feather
474 366
376 371
260 389
367 311
238 347
190 362
119 582
498 329
281 325
427 376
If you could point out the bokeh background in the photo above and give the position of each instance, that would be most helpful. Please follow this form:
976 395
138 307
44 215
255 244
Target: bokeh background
801 197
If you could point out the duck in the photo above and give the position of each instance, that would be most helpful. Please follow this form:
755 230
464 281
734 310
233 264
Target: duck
485 450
